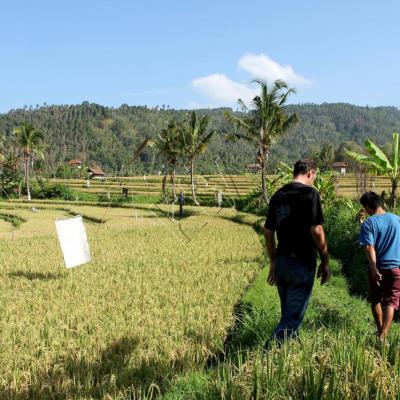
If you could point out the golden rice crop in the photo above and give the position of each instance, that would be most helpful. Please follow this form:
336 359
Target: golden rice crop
207 185
150 304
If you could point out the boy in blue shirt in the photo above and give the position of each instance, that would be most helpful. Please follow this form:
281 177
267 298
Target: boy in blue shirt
380 234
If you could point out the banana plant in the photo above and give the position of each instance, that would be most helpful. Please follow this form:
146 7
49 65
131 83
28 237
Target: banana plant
378 162
325 182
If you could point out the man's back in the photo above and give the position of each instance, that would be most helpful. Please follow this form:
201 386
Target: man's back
295 214
292 211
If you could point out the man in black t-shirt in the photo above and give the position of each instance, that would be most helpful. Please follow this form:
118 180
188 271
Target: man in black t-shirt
295 215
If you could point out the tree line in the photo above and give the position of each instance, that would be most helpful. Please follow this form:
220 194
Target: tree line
109 136
188 138
176 140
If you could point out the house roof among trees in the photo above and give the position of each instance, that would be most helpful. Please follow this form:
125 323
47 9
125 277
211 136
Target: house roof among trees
75 162
96 170
253 166
339 164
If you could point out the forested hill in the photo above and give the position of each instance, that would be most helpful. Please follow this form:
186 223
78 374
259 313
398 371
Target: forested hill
109 136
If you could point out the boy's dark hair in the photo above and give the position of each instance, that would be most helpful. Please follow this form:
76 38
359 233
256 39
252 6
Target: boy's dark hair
371 200
303 166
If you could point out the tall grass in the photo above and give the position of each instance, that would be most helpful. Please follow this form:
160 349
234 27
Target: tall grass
337 356
150 306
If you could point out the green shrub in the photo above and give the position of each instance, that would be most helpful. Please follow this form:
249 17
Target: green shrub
342 232
252 203
11 183
65 171
43 190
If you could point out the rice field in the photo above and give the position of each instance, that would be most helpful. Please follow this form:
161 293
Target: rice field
151 304
171 309
208 185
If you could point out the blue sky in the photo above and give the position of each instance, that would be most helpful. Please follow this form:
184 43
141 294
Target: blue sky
197 53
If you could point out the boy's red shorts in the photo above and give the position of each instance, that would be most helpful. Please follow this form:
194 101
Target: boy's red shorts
388 292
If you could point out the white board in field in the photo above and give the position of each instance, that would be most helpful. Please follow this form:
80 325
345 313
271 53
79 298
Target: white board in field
73 240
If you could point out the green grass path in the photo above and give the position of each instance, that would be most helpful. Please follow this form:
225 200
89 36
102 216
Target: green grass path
337 357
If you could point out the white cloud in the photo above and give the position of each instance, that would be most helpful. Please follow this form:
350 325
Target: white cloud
223 90
264 68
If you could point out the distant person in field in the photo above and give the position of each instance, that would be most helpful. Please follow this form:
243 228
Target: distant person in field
380 234
219 198
295 215
181 202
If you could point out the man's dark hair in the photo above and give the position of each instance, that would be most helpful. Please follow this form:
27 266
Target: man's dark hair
371 200
303 166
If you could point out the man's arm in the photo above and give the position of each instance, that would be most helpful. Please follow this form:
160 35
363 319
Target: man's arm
318 235
269 235
371 256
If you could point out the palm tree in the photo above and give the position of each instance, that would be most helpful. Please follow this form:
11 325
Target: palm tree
196 139
29 138
264 121
170 145
2 140
378 162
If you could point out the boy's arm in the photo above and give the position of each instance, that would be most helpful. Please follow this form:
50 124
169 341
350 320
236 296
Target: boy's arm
367 239
371 256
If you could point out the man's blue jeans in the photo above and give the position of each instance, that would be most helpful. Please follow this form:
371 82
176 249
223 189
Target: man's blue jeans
295 280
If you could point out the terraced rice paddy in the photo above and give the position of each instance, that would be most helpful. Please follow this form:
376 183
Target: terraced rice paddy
209 185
